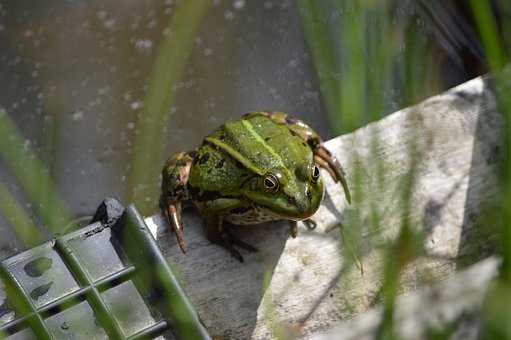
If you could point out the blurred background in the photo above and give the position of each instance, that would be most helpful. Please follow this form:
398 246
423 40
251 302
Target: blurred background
96 94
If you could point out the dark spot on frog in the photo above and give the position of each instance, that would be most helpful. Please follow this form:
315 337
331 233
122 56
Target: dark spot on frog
291 120
178 192
304 144
239 165
4 308
254 184
204 158
291 200
220 164
240 210
64 326
36 293
193 190
200 195
37 267
180 162
172 178
267 139
314 142
221 137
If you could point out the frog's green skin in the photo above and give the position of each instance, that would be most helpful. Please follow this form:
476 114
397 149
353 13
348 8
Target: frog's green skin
260 168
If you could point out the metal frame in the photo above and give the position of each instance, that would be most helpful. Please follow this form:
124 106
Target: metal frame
147 268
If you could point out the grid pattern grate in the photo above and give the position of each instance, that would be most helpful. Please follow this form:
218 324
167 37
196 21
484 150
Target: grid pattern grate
144 266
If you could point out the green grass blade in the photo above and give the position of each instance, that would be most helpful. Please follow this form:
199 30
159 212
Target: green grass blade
315 28
20 221
32 175
170 63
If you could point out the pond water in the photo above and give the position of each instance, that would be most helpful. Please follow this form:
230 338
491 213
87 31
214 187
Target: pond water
75 75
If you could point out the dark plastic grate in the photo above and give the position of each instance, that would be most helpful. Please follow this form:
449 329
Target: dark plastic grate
37 299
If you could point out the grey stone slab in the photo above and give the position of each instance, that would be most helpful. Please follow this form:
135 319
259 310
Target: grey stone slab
305 286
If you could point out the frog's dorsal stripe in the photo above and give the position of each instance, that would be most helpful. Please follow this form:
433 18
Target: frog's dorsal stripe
235 154
247 162
265 145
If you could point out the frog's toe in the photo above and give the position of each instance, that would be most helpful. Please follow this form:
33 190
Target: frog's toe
310 224
327 161
172 214
293 228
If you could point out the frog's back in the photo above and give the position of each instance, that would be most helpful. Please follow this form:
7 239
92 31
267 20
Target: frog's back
260 144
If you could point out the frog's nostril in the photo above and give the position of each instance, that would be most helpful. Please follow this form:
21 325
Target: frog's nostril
291 200
303 207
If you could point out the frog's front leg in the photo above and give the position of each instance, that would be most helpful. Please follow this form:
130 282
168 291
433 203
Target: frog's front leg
322 156
293 228
174 191
216 231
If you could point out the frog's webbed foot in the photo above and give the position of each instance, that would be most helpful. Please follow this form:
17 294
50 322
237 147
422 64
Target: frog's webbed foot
322 156
327 161
218 233
174 191
172 213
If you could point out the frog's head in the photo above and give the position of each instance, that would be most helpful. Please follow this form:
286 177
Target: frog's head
291 194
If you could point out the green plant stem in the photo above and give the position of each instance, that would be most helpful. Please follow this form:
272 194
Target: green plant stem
353 86
15 214
32 175
497 302
489 34
497 58
318 38
173 53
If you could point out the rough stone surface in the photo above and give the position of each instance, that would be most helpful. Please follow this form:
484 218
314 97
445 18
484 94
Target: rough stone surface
452 307
307 285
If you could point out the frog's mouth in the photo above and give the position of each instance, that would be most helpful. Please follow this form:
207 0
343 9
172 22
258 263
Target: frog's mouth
294 215
285 205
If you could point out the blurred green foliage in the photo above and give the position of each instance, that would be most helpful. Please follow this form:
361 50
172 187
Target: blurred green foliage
498 302
149 147
356 59
33 177
18 218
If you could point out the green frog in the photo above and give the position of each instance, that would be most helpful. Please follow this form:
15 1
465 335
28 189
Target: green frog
262 167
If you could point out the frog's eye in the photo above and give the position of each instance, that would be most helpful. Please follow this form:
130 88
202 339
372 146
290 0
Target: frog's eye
315 173
271 183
